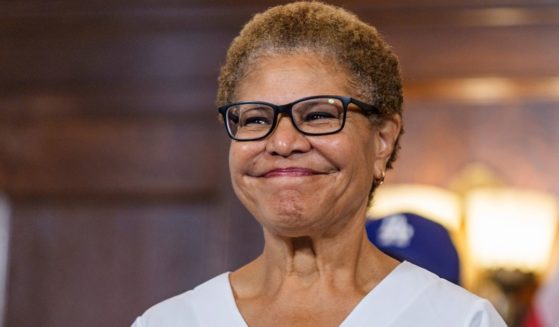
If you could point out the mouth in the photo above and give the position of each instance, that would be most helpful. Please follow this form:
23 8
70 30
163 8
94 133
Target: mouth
290 172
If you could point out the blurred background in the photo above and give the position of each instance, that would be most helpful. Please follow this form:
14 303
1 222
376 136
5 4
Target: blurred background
114 188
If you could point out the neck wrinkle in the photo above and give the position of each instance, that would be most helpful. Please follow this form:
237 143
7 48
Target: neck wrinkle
338 261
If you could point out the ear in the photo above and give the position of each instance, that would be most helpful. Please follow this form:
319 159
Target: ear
386 134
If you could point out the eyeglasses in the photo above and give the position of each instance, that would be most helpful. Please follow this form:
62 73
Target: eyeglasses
315 115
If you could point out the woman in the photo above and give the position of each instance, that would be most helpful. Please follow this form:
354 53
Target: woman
312 98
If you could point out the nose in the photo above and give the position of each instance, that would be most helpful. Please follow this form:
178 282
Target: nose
286 140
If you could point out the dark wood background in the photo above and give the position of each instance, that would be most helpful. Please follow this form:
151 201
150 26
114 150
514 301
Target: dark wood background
115 165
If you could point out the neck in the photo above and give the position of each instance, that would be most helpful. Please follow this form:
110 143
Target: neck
342 260
315 256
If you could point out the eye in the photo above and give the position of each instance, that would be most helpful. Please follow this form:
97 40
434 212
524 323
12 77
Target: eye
317 115
252 116
256 120
318 111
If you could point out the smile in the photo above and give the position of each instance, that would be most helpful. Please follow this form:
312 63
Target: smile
290 172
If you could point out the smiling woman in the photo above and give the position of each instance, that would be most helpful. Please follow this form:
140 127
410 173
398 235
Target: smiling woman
311 98
300 184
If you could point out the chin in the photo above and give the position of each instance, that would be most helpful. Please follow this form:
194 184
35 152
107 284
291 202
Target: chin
290 221
289 212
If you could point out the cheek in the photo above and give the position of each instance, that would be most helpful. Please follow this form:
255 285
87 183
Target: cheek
241 156
333 148
347 151
235 160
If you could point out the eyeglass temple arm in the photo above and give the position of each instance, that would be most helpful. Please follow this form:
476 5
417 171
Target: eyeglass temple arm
368 108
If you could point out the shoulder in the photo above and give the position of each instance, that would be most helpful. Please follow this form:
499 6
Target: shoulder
169 313
186 308
438 300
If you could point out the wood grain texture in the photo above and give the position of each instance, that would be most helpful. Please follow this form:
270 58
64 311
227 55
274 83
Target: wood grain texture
517 140
103 264
111 156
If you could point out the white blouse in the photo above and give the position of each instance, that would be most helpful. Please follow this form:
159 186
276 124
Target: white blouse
408 296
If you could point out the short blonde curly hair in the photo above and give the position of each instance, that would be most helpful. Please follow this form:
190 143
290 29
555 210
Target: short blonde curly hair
324 30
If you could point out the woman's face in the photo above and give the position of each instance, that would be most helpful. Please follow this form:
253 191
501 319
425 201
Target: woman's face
299 185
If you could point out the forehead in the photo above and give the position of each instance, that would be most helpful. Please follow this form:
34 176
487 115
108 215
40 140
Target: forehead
285 78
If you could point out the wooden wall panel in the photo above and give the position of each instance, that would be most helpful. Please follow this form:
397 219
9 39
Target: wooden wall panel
114 159
110 156
514 52
109 56
517 140
521 142
103 263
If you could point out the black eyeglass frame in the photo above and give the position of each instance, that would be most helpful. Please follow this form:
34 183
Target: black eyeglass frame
368 109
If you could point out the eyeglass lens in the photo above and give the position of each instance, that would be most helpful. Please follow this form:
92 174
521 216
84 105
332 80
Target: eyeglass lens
311 116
